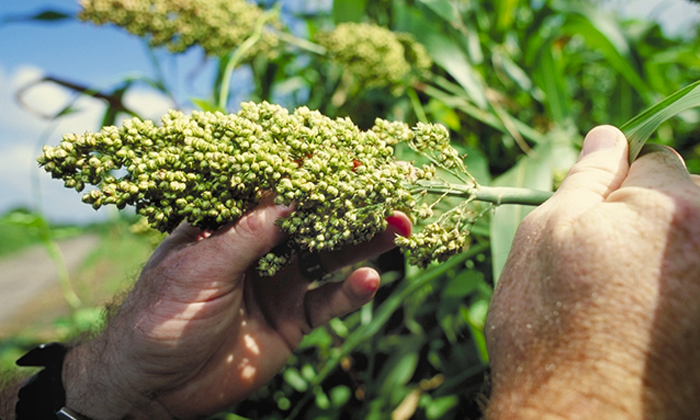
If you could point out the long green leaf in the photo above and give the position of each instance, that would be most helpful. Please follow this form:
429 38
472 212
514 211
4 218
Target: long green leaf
445 9
554 155
640 128
603 33
505 14
454 96
550 77
449 55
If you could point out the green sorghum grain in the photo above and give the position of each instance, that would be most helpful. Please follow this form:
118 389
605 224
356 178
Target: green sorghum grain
209 168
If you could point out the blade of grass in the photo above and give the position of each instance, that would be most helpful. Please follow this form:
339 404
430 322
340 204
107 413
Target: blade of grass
239 53
640 128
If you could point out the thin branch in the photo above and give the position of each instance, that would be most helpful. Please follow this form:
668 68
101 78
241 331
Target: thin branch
114 100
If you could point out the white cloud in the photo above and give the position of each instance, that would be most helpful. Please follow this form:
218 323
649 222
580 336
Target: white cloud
21 136
22 133
148 104
44 98
25 185
677 17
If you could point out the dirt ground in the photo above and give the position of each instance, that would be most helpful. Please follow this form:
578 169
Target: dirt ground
29 282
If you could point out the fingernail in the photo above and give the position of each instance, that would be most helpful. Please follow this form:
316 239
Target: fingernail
399 224
676 154
600 138
659 148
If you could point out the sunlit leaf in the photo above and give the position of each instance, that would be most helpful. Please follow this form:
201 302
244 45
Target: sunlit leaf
462 284
444 9
293 378
476 318
505 12
206 105
550 78
438 408
322 400
399 369
513 70
450 56
27 220
340 395
456 97
603 33
640 128
348 10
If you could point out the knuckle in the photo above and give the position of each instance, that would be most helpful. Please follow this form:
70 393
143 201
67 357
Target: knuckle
251 226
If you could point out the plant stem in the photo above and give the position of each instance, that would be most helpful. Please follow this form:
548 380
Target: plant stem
238 54
511 195
494 195
304 44
56 255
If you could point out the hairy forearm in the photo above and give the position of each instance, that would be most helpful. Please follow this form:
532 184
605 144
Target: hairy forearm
96 387
90 388
569 397
618 385
8 394
563 401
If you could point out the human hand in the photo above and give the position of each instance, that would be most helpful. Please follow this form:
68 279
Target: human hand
596 314
201 330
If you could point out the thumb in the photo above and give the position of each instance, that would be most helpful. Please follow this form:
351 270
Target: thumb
251 236
600 169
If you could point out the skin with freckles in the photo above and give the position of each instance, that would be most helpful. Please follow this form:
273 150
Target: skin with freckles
201 330
596 314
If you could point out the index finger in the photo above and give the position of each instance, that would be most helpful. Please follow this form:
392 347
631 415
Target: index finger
314 266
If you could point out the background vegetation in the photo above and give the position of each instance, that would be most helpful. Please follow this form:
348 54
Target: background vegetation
518 83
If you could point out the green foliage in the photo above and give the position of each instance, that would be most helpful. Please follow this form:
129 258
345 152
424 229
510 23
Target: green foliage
38 227
640 128
517 83
371 56
21 228
15 237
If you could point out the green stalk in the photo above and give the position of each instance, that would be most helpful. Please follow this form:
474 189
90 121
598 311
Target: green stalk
300 43
42 227
238 54
637 130
56 255
494 195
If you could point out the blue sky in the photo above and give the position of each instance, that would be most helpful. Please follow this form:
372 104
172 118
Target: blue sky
102 56
78 52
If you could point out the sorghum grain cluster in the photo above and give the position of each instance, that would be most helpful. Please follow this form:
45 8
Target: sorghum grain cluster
218 26
374 56
210 168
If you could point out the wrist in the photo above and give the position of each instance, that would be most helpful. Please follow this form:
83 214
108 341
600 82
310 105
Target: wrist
95 386
576 379
571 395
611 386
